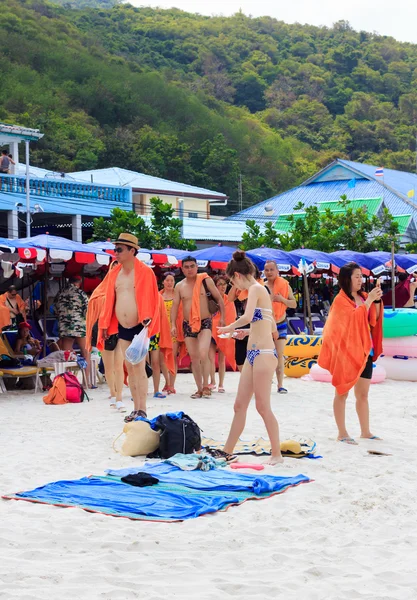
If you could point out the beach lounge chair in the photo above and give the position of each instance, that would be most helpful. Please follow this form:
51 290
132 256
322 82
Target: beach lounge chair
18 372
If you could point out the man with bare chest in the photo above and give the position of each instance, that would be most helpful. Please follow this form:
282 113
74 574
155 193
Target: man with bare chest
197 324
131 303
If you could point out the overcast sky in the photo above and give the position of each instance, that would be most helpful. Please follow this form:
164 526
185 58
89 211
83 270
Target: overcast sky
397 18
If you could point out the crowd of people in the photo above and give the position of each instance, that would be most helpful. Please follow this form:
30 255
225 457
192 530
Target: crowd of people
236 319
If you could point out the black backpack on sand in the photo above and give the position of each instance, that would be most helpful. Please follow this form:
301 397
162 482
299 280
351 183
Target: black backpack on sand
177 436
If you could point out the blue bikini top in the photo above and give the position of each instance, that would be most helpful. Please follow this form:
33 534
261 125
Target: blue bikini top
259 316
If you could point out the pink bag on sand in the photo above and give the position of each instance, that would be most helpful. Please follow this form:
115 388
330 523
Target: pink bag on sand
74 390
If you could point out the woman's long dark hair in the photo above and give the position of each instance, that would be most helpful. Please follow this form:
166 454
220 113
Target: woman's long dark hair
344 278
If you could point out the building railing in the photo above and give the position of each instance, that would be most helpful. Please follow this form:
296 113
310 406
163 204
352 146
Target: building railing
64 189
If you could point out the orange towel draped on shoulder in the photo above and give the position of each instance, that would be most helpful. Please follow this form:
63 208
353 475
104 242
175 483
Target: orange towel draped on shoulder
95 306
20 303
147 301
227 346
242 295
281 286
165 339
347 341
4 317
195 315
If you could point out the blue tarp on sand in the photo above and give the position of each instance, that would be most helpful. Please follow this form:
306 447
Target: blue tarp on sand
180 495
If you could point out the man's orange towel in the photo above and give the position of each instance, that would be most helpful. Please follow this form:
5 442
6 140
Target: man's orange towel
147 301
227 346
5 319
95 306
20 303
347 341
195 315
281 286
165 339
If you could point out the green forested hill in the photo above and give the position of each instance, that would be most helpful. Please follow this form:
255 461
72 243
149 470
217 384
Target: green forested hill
202 99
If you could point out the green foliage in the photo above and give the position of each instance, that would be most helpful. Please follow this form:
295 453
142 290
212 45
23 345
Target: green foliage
348 229
164 230
254 238
202 100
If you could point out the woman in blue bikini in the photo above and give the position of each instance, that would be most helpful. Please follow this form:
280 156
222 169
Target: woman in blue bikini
261 358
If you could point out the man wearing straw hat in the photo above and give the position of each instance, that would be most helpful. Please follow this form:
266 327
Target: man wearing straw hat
282 298
132 302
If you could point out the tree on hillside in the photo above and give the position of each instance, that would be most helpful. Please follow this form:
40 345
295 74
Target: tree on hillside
254 237
163 231
347 229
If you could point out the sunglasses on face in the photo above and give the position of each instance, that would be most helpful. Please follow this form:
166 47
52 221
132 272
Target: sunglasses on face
119 250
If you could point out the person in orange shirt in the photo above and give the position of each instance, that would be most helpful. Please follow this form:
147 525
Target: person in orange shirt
131 303
282 298
14 303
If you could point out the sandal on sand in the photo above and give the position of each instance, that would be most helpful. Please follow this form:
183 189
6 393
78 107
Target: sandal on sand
134 414
211 386
120 406
373 437
196 395
348 440
229 458
159 395
221 390
112 402
171 390
206 393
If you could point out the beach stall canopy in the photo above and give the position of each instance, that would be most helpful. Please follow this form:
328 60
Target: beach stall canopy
408 262
366 262
219 256
284 260
321 260
161 257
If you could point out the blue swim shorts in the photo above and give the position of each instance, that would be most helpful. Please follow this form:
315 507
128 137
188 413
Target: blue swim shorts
282 330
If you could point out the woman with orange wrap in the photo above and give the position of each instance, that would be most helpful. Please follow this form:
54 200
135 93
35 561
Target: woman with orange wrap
352 341
225 347
167 294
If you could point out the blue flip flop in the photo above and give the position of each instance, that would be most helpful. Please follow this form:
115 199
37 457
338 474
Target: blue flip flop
348 440
159 395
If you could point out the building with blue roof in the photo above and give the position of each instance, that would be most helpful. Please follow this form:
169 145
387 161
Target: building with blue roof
397 189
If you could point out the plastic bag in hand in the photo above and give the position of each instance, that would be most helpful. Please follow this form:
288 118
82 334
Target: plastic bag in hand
139 347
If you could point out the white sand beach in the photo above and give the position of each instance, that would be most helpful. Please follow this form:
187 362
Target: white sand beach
351 534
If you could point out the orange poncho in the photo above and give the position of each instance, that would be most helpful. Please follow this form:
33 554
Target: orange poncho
165 339
347 341
195 315
227 346
281 286
147 301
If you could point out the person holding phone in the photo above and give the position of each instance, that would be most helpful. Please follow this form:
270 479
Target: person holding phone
352 342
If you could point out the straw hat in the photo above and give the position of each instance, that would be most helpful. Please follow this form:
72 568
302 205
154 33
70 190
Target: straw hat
128 240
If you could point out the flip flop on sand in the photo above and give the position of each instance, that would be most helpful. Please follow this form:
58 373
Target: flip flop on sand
348 440
221 390
373 437
196 395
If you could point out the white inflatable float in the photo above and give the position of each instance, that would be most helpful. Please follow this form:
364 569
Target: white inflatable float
402 346
400 368
319 374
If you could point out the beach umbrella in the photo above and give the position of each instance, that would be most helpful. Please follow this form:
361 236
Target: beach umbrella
320 260
366 262
219 256
408 262
284 260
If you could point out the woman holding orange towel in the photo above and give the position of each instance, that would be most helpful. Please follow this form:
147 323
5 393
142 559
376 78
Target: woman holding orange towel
352 341
225 347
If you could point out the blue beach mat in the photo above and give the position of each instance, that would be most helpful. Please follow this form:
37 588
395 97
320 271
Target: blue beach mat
178 496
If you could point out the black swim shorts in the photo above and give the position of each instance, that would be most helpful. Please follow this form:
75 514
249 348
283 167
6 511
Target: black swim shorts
128 333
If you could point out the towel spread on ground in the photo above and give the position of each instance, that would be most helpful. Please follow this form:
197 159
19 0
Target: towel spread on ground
147 301
260 446
227 346
179 495
348 337
195 313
